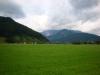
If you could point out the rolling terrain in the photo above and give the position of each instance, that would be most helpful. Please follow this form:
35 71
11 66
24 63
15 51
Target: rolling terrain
13 32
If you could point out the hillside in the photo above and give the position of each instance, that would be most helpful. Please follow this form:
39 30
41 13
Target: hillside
13 32
69 36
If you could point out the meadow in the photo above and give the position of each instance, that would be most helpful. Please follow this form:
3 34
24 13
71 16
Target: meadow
49 59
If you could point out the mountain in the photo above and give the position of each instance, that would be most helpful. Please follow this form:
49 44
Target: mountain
69 36
13 32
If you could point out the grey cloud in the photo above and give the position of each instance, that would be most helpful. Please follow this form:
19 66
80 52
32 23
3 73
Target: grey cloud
68 11
84 4
59 12
10 9
58 20
85 16
82 9
64 15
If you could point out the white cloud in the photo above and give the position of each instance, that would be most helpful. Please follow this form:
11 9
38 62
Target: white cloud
36 22
58 14
91 27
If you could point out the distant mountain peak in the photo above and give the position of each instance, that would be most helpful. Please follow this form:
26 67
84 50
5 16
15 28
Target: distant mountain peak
70 36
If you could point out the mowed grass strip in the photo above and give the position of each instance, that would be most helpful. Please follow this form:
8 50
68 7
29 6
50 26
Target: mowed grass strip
49 59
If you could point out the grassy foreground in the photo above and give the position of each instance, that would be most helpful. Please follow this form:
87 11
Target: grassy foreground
49 59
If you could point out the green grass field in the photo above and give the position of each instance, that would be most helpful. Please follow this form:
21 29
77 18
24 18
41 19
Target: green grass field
49 59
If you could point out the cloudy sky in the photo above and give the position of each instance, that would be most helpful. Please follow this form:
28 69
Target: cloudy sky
40 15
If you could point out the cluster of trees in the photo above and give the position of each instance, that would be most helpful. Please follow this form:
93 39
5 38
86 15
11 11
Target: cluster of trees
87 42
19 39
2 39
23 39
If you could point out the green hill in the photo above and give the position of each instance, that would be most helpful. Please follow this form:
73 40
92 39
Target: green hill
13 32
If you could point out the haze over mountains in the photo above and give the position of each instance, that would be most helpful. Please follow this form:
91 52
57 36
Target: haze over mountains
69 36
13 32
40 15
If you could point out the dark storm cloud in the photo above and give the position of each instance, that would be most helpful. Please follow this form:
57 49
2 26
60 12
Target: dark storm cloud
10 9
